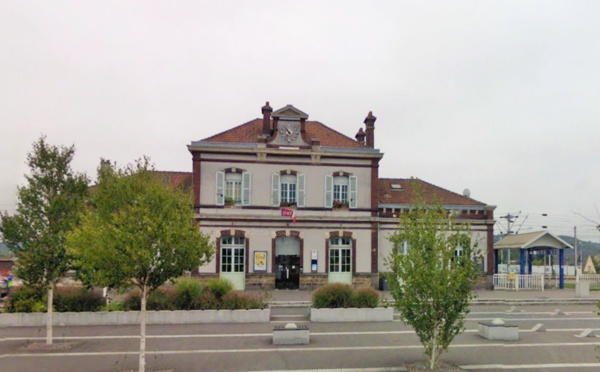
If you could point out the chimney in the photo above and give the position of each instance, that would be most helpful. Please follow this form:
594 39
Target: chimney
360 136
370 132
266 111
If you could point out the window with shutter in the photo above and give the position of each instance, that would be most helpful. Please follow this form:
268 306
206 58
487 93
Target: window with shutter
220 188
328 191
246 184
353 202
301 190
275 184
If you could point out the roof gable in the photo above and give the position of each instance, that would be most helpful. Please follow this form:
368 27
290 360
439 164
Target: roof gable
289 112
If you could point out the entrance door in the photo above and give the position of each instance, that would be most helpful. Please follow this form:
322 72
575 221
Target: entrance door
233 260
287 262
340 260
287 272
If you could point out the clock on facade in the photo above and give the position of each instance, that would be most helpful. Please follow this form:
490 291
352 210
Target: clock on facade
289 132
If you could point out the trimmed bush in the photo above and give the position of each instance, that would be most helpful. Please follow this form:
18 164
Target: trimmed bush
208 301
113 306
159 299
219 287
338 295
76 299
186 295
235 300
334 295
366 297
26 300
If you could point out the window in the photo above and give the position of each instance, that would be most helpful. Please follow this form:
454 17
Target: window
233 187
287 188
340 255
341 191
233 251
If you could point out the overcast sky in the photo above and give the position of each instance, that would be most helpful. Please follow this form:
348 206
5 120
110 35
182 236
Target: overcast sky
499 97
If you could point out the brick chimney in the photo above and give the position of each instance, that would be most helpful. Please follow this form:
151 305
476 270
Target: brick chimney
360 136
370 132
266 111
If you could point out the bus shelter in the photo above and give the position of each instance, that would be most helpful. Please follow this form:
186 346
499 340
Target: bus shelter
529 245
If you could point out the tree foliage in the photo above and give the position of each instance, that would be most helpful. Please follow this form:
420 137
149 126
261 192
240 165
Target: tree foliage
432 284
48 207
137 231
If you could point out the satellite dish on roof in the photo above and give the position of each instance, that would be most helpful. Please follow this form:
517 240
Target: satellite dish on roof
467 193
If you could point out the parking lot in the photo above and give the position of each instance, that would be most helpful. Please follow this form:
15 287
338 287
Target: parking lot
368 346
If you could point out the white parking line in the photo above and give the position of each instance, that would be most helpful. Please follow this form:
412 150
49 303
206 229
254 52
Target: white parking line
250 335
530 366
295 349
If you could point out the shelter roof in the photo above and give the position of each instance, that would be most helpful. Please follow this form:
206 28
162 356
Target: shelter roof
533 240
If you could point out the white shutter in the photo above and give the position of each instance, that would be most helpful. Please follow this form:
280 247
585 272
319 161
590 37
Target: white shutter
353 194
275 185
246 183
328 191
220 187
300 189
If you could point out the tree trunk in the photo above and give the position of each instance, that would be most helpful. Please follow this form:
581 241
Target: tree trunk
49 314
142 362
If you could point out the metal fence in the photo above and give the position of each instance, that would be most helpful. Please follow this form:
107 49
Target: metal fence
593 279
519 282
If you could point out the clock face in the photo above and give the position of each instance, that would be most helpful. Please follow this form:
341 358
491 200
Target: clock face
289 132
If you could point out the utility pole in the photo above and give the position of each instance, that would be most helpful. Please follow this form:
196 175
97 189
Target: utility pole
575 245
510 219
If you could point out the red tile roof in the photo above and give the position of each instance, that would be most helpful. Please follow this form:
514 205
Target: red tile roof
248 133
181 180
413 187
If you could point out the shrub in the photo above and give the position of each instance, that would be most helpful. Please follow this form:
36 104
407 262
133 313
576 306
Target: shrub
26 300
208 301
366 297
113 306
333 295
219 287
186 295
159 299
235 300
76 299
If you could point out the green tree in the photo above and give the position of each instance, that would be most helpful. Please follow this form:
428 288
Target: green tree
433 273
47 209
138 231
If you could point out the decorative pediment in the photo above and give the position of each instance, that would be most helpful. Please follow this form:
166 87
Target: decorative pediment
289 112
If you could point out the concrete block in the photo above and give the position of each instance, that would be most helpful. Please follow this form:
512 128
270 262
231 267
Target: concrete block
499 332
538 328
587 333
291 334
582 289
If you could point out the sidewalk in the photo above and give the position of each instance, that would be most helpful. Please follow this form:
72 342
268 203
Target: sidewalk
489 297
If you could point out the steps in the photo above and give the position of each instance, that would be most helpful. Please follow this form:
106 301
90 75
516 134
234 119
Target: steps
290 312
